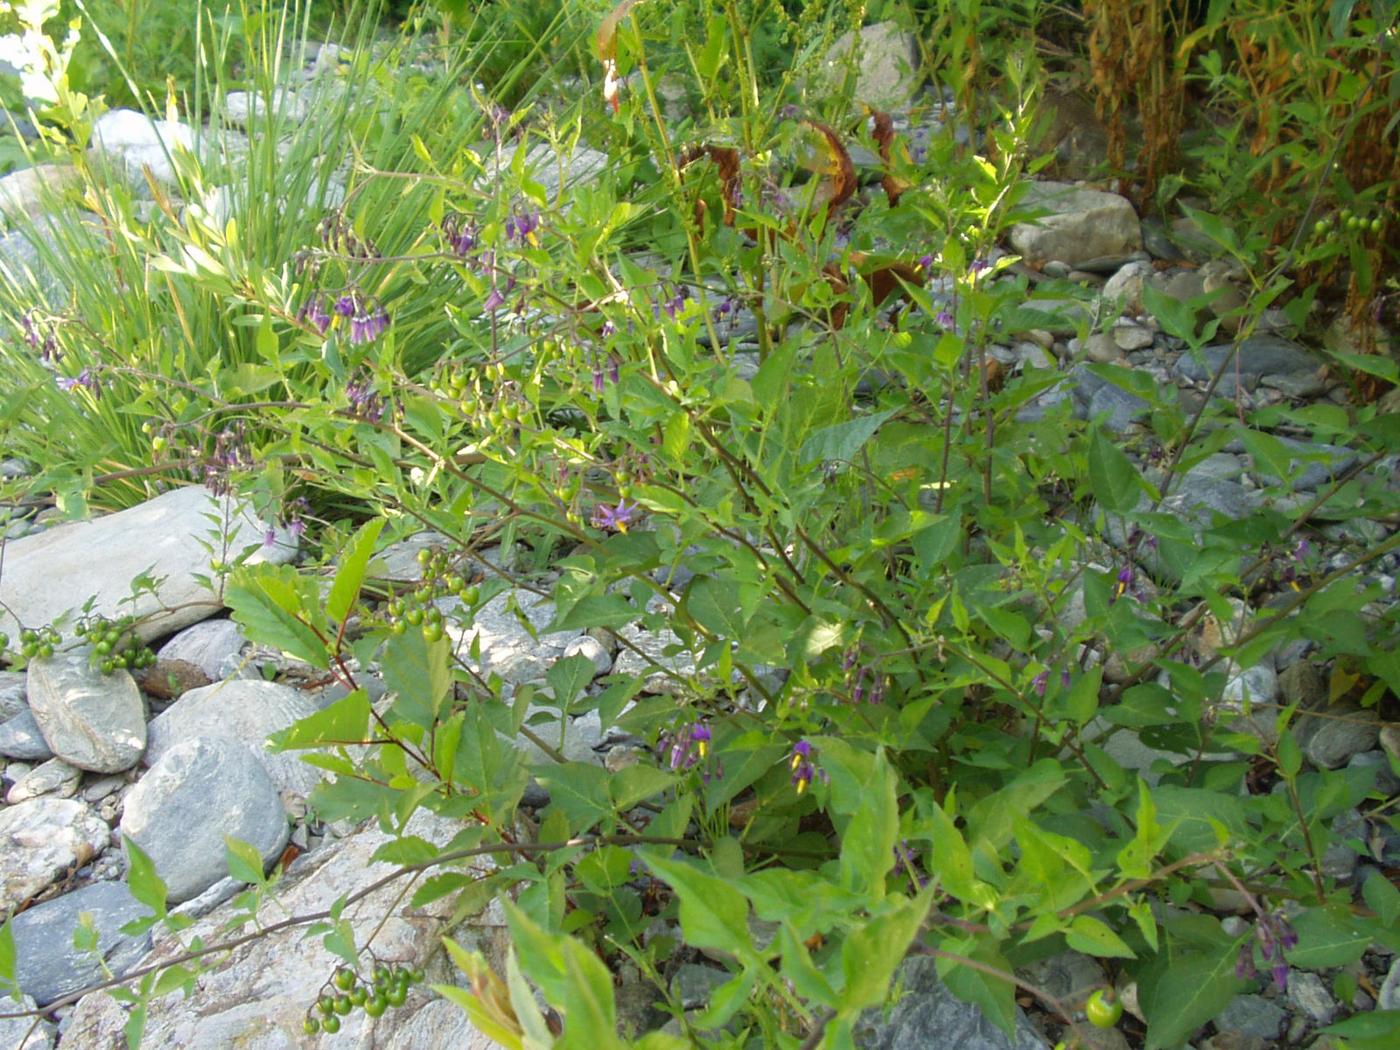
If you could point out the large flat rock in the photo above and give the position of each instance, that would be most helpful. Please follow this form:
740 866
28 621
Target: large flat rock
256 998
54 572
42 839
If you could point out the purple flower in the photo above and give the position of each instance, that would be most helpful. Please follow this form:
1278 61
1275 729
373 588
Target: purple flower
608 329
803 769
83 380
597 381
978 266
1064 677
346 304
368 323
618 518
700 737
926 263
521 228
1125 580
944 319
364 402
460 234
313 312
494 301
1039 682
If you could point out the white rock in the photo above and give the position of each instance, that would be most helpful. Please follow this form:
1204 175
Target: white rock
1079 225
243 709
588 646
887 71
22 1033
508 648
30 191
256 998
138 144
203 791
208 645
55 778
42 839
241 107
94 721
50 575
1131 336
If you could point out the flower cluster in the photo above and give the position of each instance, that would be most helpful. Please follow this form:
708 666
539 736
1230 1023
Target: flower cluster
460 234
867 684
230 454
672 306
686 747
364 401
366 318
613 374
1274 936
803 768
521 227
40 336
339 236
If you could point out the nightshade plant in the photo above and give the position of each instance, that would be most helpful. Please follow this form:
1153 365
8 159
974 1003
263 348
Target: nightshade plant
883 730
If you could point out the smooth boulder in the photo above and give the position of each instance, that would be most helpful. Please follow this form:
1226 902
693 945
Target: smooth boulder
91 720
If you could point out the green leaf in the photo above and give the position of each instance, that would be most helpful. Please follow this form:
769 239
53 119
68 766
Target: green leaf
345 722
1112 476
841 442
596 610
995 995
1328 937
875 948
141 878
578 790
867 848
351 574
1185 986
713 913
950 861
1383 898
725 1001
276 607
1373 1024
568 677
420 673
1093 937
1135 859
636 783
571 977
245 863
8 984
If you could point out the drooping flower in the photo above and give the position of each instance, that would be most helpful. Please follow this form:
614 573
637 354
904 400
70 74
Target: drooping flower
84 380
1039 682
804 770
494 301
313 312
945 319
617 518
368 322
700 737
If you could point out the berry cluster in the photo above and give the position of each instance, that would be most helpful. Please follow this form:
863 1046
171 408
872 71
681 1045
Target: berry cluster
417 608
38 643
114 644
386 986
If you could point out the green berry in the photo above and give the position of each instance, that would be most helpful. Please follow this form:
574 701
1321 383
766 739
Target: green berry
382 974
397 995
331 1024
1377 225
1103 1009
344 978
311 1026
343 1005
326 1004
358 994
376 1004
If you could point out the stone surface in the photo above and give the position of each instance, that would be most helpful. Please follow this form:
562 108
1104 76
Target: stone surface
1390 989
55 777
12 700
1252 1015
203 791
581 646
91 720
884 67
26 193
137 144
22 1033
551 169
508 647
48 967
212 645
243 709
1079 225
256 998
243 107
1308 993
645 653
927 1014
42 839
20 738
53 573
1337 733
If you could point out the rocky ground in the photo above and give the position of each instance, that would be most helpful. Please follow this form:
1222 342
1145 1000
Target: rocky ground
175 760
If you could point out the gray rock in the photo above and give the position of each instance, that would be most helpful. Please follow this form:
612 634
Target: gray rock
42 839
242 709
1079 225
135 144
1123 291
20 738
91 720
1069 976
246 107
1339 860
24 1033
257 997
29 192
1345 730
1252 1015
584 645
1118 409
509 648
55 777
1201 500
103 787
886 67
1132 336
209 645
1257 685
1302 683
1390 989
25 254
645 653
1387 783
553 169
927 1014
52 574
1100 347
48 967
12 697
1308 993
1260 357
693 984
203 791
